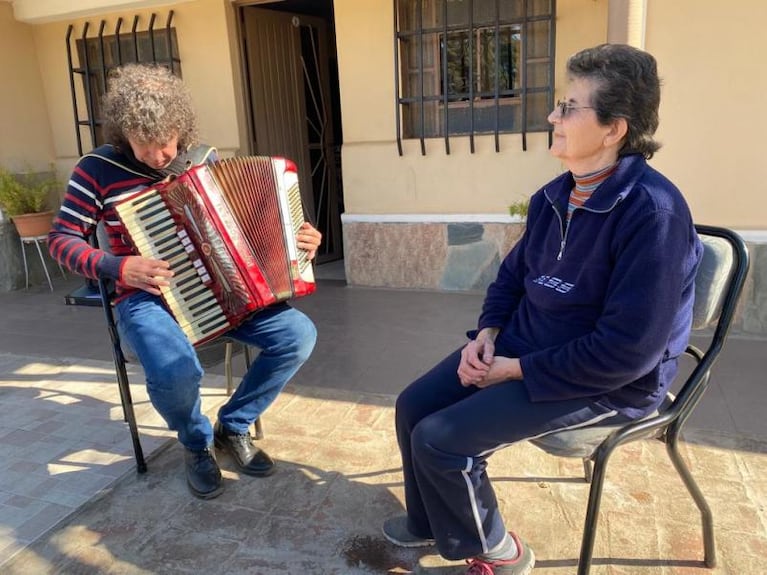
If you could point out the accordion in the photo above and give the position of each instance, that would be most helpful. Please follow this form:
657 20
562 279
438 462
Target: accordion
228 229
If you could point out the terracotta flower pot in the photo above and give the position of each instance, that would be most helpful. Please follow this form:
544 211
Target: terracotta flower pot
33 225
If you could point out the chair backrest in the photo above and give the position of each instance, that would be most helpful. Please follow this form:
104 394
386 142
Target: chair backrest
720 280
711 281
718 284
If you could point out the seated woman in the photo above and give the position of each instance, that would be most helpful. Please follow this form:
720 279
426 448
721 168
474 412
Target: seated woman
583 324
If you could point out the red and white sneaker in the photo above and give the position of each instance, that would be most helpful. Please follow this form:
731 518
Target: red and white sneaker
521 565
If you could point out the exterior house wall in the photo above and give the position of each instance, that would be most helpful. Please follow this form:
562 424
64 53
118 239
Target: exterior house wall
403 214
204 32
39 113
710 124
379 181
26 142
425 220
438 207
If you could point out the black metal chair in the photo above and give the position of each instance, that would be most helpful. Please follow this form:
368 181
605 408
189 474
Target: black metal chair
118 355
719 283
106 290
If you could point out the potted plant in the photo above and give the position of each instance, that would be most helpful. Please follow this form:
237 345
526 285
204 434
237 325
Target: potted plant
25 198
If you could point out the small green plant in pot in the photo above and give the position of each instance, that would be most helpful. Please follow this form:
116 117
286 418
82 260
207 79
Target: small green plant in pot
25 198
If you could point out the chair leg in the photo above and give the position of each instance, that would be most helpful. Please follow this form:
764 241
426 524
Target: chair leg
45 267
706 516
228 368
258 427
259 430
122 377
128 413
592 512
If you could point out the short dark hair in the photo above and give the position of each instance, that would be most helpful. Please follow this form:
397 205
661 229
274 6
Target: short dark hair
627 86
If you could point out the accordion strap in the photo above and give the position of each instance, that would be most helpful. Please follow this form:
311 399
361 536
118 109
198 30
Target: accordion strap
182 162
192 157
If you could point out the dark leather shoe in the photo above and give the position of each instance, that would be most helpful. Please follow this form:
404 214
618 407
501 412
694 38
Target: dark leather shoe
248 458
202 473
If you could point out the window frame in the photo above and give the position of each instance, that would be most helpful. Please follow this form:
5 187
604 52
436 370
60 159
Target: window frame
98 55
416 63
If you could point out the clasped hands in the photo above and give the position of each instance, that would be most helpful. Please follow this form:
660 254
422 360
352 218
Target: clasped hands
150 274
480 366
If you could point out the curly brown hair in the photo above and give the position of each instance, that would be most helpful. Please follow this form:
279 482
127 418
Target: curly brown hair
148 104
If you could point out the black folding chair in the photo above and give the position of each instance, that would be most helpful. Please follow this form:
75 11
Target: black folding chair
106 289
118 355
719 282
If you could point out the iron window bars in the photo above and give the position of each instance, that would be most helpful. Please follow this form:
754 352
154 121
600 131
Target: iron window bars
99 54
470 67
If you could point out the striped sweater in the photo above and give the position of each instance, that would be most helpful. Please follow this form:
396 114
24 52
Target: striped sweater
99 180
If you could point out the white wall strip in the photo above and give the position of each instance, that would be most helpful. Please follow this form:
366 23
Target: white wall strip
428 218
753 236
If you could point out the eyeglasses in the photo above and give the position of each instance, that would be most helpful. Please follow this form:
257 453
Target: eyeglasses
564 108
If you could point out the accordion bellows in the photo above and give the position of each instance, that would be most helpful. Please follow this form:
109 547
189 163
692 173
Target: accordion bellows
228 230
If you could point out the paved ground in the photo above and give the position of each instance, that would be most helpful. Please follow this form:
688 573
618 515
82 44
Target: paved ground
71 502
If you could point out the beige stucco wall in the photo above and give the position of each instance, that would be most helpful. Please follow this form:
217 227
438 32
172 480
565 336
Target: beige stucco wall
712 125
204 29
39 11
26 140
710 122
378 181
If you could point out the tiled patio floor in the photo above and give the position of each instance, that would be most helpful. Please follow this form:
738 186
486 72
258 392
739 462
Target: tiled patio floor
70 501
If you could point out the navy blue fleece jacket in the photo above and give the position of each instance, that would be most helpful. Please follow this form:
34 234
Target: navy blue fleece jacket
601 308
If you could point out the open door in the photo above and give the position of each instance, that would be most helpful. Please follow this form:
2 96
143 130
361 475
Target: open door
289 68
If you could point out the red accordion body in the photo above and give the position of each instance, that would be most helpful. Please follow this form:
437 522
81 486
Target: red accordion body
228 229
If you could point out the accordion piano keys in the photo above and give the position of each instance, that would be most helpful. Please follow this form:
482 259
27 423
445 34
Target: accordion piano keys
187 296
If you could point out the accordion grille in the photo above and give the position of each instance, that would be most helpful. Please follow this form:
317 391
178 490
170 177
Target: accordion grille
249 186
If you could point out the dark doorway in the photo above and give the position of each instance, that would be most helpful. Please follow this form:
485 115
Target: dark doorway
293 99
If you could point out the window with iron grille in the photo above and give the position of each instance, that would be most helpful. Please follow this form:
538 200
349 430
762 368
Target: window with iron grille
473 66
99 54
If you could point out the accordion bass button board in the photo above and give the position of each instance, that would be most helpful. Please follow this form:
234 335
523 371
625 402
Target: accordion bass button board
228 230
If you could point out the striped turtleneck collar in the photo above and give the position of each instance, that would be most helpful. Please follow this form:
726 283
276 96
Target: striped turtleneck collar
585 185
590 182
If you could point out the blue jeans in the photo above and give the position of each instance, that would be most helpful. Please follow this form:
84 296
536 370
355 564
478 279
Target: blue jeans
284 335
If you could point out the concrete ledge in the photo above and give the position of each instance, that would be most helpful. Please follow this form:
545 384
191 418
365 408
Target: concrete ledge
462 252
451 255
752 315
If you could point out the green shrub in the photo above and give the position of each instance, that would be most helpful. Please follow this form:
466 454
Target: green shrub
519 208
25 193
